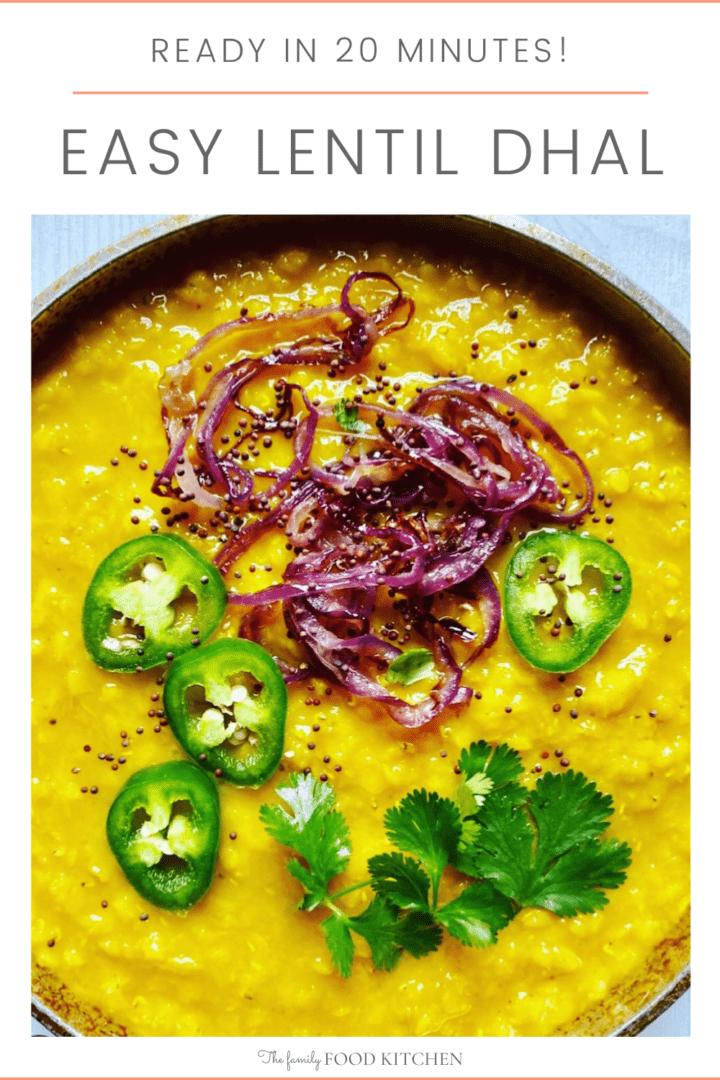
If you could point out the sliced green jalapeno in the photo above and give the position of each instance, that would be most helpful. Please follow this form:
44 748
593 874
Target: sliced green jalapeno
226 705
564 596
164 830
151 596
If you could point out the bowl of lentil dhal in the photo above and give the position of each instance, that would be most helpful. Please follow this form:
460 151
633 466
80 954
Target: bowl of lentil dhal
497 301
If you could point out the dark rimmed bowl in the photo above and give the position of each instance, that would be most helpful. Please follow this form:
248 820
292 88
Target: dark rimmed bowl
110 274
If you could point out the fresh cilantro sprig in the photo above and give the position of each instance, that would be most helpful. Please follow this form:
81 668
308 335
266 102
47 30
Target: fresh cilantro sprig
546 852
488 773
428 828
315 830
524 848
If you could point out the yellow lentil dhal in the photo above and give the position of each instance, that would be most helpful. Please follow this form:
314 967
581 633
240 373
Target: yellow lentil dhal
244 960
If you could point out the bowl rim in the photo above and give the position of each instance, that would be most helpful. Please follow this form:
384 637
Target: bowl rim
59 290
510 223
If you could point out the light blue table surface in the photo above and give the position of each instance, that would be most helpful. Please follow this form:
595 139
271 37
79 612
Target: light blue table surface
652 250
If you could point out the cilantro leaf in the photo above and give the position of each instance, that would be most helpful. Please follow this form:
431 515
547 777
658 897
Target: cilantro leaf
346 415
503 849
469 797
378 924
428 826
492 770
547 853
306 797
339 942
568 810
574 883
410 667
315 892
400 880
317 832
464 799
476 916
501 764
418 934
329 846
490 773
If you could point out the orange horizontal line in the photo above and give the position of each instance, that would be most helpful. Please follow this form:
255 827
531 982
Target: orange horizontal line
381 93
380 3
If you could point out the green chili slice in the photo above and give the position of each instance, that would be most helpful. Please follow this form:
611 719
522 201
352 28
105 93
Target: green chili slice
564 596
164 830
227 705
151 596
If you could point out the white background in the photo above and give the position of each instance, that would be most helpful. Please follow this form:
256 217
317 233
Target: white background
667 49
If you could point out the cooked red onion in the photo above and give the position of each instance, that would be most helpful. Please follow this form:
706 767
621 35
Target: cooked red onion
484 592
339 657
183 416
474 408
363 528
